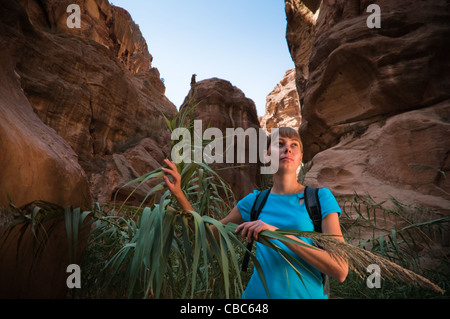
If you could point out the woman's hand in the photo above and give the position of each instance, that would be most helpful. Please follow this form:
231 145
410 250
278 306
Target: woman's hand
175 185
252 229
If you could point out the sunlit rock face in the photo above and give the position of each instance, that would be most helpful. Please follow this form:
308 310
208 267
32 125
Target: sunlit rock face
282 105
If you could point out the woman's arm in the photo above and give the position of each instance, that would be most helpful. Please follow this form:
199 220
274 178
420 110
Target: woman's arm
175 186
317 258
233 217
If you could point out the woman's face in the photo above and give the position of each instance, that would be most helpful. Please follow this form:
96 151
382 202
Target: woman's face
289 153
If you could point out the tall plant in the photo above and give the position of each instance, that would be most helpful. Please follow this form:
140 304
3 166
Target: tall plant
163 251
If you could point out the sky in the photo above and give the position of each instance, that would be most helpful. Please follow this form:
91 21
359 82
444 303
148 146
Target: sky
241 41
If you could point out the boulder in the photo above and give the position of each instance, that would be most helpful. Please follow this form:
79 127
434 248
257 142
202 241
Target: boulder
221 105
388 160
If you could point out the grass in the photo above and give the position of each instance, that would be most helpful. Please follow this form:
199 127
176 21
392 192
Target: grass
355 288
162 252
403 234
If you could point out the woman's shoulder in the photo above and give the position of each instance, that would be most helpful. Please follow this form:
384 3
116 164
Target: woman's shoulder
246 203
328 202
325 191
250 196
253 193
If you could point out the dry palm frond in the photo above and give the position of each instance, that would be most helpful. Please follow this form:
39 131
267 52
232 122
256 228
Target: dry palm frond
358 259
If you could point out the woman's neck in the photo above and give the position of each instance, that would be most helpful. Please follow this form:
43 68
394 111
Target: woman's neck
286 184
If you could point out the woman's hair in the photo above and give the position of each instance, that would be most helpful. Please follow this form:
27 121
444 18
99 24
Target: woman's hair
288 132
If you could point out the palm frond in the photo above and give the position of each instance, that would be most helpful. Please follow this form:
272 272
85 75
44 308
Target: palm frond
358 259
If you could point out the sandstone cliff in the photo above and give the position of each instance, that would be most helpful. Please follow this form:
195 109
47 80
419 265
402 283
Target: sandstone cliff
98 91
301 21
221 105
80 115
375 101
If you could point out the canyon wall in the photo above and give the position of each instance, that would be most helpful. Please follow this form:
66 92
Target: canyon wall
80 116
375 101
94 86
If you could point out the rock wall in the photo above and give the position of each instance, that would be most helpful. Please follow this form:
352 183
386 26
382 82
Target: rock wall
98 90
301 19
34 158
80 116
375 111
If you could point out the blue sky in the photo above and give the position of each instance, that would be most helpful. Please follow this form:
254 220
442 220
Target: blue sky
241 41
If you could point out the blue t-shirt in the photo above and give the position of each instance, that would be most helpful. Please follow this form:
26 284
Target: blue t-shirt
284 212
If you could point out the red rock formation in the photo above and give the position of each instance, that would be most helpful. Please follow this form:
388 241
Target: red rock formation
282 105
301 21
80 116
36 162
221 105
101 22
98 91
360 75
376 101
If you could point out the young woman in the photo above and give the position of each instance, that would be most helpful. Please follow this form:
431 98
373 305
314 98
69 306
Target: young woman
284 209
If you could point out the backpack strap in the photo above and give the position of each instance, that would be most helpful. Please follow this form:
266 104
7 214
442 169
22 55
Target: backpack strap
312 204
259 203
260 200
